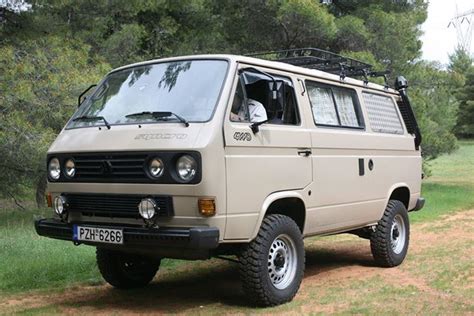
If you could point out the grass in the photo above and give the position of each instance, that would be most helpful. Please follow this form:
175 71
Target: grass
32 263
451 186
443 199
456 168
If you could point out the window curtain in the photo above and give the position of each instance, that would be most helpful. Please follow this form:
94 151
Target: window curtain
324 111
345 108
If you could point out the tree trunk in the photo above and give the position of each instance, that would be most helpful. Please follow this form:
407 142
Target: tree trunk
41 191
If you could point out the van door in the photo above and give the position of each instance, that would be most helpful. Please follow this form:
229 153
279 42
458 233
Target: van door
274 158
341 149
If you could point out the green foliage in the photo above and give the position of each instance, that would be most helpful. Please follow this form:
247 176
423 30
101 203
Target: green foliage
394 37
435 108
304 22
123 46
466 106
352 34
461 69
40 81
460 63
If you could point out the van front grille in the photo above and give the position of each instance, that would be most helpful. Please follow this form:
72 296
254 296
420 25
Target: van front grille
127 166
114 205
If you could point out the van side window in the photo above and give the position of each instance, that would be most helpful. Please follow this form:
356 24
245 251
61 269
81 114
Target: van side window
253 102
288 113
240 109
383 116
334 106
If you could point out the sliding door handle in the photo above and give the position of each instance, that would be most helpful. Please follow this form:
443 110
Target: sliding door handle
305 152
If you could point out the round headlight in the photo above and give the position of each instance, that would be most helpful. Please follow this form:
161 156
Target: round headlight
70 168
54 169
186 167
60 205
147 208
156 167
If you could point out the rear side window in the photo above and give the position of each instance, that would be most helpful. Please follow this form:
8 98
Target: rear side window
383 116
334 106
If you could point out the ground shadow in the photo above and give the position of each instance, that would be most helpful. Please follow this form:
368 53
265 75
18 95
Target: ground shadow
214 282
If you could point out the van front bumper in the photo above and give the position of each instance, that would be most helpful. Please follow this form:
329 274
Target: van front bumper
195 238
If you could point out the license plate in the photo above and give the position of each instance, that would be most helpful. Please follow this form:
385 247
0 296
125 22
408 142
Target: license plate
98 234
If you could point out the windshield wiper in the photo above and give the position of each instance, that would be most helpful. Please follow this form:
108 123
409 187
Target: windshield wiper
159 115
92 118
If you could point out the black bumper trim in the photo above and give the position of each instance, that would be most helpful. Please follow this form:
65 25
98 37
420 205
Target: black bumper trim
419 204
189 238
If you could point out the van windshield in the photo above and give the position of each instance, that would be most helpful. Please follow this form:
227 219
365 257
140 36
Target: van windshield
190 89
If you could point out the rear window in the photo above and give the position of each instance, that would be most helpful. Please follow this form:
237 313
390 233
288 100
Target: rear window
383 116
334 106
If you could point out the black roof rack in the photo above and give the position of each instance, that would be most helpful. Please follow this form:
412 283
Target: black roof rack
315 58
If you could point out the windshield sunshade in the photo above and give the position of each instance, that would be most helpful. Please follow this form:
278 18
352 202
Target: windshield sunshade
189 89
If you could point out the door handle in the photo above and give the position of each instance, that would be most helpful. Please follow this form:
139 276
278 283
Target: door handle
305 152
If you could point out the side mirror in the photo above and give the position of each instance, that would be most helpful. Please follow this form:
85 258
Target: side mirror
82 96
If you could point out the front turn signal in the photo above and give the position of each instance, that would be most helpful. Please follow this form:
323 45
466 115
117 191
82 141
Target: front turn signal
49 199
207 207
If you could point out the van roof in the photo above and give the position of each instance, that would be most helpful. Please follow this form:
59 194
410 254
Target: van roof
269 64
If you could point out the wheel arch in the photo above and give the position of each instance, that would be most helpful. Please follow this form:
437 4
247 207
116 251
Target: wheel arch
400 192
289 203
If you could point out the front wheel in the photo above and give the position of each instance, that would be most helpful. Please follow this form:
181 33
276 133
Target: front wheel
272 265
389 242
125 271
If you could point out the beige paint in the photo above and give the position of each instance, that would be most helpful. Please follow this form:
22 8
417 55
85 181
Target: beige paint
245 177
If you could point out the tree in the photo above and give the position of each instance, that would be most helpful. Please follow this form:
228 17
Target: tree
461 69
465 95
305 23
40 83
435 107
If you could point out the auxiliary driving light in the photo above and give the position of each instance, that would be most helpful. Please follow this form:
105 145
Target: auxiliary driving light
147 208
60 205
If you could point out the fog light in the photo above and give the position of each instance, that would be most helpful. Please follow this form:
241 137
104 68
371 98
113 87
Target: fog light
147 208
60 205
207 207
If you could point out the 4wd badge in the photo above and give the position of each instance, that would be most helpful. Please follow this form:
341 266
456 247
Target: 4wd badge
242 136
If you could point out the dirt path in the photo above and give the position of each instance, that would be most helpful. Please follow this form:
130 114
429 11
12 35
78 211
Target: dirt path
340 277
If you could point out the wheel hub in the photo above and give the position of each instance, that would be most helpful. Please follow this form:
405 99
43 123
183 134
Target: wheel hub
282 261
398 234
279 261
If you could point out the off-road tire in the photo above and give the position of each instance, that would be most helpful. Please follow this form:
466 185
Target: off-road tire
125 271
381 239
255 262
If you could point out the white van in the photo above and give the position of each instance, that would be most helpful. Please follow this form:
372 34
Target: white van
205 156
